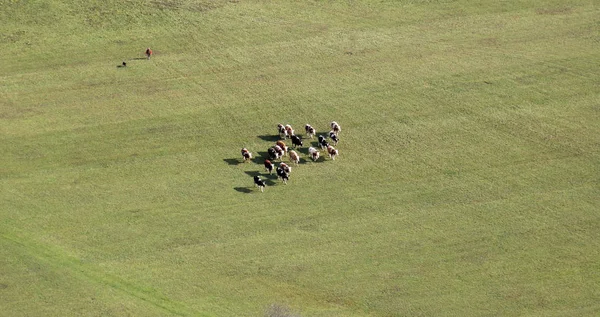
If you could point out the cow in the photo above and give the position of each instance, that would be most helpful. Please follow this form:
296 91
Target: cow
148 53
336 127
314 153
289 130
282 145
274 153
279 151
294 157
332 152
310 131
260 183
286 168
323 142
269 166
334 137
281 174
296 141
282 131
246 154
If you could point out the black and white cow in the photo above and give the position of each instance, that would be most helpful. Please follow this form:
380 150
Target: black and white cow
281 174
323 142
282 131
310 131
279 150
296 141
275 152
260 183
286 168
334 137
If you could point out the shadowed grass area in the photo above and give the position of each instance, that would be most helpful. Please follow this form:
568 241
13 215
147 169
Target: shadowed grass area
466 184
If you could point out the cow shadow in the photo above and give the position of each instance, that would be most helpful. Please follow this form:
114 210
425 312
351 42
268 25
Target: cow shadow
321 159
245 190
231 161
303 150
270 138
260 157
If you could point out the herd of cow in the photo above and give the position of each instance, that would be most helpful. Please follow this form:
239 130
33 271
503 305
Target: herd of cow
280 149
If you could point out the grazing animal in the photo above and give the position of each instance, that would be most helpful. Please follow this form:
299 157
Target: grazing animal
323 142
282 131
246 154
334 137
148 53
310 131
314 153
286 168
279 151
269 166
273 153
336 127
289 130
282 145
296 141
332 152
294 157
281 174
124 63
260 183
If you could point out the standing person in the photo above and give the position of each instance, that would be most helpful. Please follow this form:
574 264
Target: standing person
148 53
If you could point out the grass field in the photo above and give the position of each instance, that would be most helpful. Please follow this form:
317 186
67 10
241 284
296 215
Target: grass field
468 180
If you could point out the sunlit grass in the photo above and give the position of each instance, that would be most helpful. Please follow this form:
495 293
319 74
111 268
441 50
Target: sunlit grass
467 180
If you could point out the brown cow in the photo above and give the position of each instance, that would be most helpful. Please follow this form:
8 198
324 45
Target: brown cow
246 154
332 152
282 145
294 157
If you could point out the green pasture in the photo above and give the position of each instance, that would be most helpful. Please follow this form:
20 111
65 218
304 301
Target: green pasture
468 181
